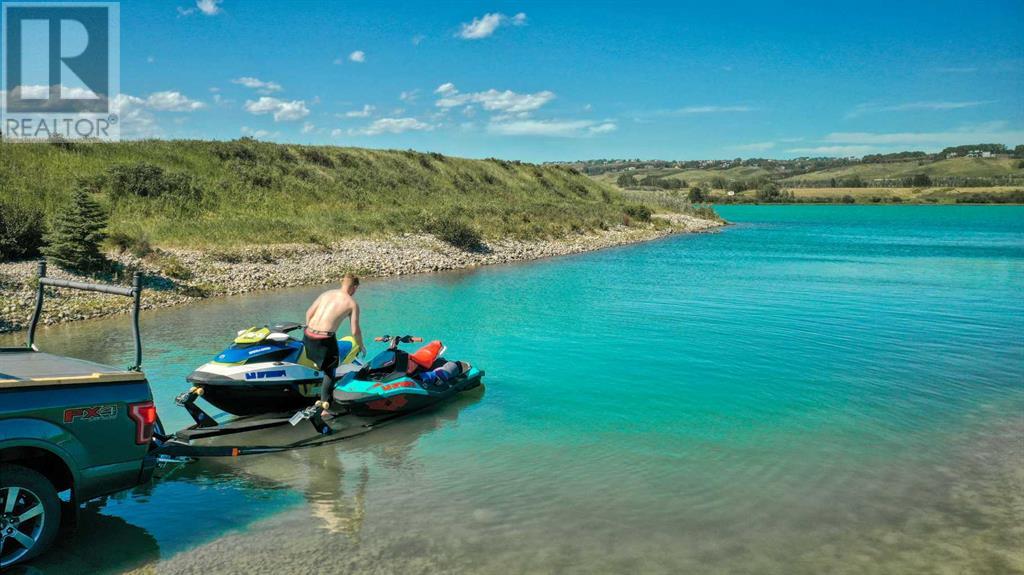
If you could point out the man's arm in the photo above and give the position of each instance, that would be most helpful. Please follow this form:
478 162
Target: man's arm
357 332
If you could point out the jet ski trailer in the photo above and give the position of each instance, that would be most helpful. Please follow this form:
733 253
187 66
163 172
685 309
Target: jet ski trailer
392 385
257 434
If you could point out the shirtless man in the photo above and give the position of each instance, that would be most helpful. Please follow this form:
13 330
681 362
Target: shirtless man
320 336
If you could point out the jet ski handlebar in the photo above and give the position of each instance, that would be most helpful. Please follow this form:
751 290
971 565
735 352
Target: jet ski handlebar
398 339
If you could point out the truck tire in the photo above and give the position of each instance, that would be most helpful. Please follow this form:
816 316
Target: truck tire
29 514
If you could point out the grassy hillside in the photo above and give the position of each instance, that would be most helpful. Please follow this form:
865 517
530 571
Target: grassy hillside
948 168
917 180
934 195
196 193
693 177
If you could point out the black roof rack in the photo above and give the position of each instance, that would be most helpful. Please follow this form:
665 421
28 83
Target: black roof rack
134 292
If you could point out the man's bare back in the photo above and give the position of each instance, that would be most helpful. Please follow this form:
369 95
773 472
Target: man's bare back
331 308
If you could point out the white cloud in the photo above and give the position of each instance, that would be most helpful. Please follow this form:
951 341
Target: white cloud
417 39
551 128
755 147
209 7
857 143
833 150
337 132
135 120
283 111
39 91
358 56
136 114
259 85
712 109
481 27
485 25
410 95
933 106
171 101
392 126
206 7
363 113
445 89
308 128
492 100
603 128
987 132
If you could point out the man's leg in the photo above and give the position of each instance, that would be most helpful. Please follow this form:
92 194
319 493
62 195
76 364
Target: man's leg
327 387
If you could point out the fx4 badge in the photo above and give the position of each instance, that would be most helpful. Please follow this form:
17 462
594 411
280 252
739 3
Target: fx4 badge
95 413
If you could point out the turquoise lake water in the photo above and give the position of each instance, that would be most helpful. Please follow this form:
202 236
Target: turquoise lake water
814 389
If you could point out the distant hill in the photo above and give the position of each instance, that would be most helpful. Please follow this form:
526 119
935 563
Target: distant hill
1001 167
893 177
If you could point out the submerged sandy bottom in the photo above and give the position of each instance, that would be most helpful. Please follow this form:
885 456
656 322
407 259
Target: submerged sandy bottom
966 516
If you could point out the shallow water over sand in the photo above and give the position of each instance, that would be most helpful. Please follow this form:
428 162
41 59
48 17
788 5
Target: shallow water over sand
816 389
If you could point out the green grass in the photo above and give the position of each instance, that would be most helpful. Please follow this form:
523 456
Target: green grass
946 168
248 192
692 177
932 195
949 168
953 180
670 201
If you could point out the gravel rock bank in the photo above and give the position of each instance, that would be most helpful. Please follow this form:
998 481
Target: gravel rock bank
177 276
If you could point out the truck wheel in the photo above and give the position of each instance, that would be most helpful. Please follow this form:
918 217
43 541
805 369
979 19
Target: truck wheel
29 514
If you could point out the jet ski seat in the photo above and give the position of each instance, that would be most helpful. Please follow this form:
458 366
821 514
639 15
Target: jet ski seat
285 327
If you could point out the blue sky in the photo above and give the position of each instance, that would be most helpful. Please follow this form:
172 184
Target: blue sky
545 81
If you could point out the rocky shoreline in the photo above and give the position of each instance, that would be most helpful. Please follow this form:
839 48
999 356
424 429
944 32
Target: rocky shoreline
179 276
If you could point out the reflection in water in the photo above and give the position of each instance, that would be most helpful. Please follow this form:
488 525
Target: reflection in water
340 514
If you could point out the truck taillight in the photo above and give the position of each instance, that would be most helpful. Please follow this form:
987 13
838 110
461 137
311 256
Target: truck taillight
144 415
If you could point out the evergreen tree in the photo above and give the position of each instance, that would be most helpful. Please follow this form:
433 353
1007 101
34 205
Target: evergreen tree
74 239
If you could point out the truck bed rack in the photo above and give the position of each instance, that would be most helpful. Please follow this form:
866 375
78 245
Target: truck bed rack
21 367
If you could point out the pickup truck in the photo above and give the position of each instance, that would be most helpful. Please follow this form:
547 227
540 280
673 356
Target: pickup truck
67 427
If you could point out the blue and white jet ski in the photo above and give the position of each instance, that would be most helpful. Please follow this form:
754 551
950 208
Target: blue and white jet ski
265 370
